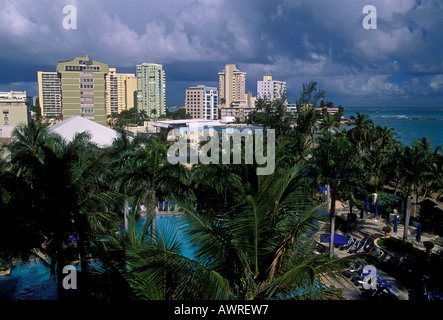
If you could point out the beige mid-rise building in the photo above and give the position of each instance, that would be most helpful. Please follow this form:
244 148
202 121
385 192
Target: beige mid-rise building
83 88
13 108
120 91
202 102
232 85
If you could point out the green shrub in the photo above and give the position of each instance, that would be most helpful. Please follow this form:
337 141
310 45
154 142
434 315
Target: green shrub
387 229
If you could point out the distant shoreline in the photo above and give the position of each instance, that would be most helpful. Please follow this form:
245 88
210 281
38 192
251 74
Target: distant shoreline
426 119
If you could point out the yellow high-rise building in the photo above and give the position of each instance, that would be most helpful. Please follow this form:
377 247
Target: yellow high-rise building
120 91
232 85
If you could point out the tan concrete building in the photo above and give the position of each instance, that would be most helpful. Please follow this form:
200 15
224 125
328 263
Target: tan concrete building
83 88
232 85
120 91
13 108
202 102
49 94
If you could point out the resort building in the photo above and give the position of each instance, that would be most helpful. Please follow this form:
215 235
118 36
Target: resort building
151 89
202 102
121 91
239 109
232 84
83 88
13 108
270 89
49 94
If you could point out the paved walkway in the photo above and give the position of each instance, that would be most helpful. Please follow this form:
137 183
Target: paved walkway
371 226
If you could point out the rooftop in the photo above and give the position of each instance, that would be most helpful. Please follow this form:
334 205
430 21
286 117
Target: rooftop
100 135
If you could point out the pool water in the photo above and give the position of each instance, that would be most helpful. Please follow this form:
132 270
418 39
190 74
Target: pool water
32 281
28 282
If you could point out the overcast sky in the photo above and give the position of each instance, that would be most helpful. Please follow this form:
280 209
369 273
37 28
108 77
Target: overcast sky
400 63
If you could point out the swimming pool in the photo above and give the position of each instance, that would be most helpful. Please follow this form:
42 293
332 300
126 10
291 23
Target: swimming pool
28 282
33 282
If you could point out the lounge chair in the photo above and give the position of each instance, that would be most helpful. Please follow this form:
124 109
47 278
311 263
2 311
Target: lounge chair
347 246
359 248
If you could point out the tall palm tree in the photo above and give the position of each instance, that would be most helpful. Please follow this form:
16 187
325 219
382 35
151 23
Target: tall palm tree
221 178
328 122
143 173
335 163
361 126
259 250
62 178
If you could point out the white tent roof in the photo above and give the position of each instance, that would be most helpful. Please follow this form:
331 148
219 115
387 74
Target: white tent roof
100 135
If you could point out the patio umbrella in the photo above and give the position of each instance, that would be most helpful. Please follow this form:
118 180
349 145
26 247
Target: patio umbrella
367 204
376 208
338 238
395 224
419 233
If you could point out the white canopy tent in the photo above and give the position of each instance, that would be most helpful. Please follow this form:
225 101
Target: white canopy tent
100 135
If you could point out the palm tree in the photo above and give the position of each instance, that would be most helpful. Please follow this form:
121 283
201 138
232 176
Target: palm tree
328 122
143 173
62 178
335 163
219 177
258 250
359 133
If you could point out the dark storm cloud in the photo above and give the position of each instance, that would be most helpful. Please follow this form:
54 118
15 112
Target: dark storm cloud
295 41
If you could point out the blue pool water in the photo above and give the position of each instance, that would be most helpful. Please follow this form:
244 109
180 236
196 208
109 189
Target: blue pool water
28 282
33 282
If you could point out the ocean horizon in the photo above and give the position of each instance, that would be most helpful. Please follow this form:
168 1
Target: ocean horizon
409 123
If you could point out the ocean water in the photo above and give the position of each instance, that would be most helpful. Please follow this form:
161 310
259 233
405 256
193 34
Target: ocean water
409 123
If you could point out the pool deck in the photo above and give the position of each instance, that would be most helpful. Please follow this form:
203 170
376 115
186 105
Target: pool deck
371 226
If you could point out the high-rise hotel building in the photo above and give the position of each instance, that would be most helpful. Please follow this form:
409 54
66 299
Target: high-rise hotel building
151 89
232 85
270 89
202 102
49 96
121 91
83 88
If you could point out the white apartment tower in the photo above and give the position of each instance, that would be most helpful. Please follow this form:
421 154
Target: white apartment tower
270 89
202 102
151 89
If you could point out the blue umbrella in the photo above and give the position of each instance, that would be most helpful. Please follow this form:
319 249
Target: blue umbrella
419 233
338 238
376 208
367 204
395 224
